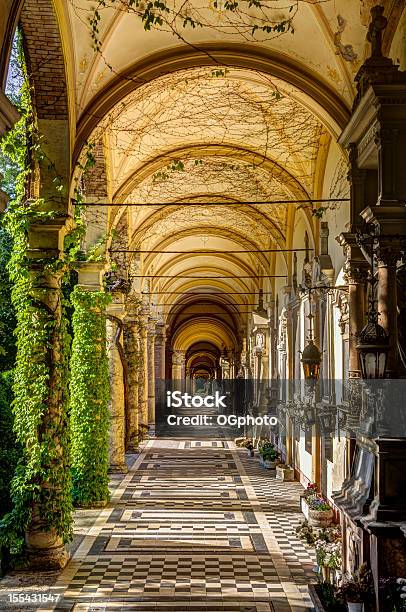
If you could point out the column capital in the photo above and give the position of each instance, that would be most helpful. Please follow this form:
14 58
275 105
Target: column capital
90 274
356 266
178 357
117 308
45 239
388 216
388 252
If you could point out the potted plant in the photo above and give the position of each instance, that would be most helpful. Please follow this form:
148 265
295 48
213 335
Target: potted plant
268 455
311 489
284 472
356 590
306 533
319 513
250 447
245 443
328 556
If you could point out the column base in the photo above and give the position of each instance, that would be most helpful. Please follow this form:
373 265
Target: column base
46 559
96 504
118 468
133 449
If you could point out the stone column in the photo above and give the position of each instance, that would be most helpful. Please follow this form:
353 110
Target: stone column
89 388
178 366
50 471
45 547
132 352
115 315
143 376
356 274
388 254
151 377
160 352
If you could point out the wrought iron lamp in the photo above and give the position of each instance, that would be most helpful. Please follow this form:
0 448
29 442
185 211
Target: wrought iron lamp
373 346
373 341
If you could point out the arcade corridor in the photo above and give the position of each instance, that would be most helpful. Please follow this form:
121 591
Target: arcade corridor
194 525
200 198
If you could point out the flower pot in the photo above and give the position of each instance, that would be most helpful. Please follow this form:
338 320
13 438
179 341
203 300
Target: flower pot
317 605
284 473
269 465
326 573
355 606
320 518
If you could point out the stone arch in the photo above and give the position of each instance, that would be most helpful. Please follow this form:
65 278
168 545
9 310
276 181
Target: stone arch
330 108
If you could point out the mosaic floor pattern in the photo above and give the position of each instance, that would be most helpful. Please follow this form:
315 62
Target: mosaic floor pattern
194 525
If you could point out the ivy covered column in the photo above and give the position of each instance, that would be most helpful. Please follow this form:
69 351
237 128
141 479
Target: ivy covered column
132 353
89 389
114 325
41 489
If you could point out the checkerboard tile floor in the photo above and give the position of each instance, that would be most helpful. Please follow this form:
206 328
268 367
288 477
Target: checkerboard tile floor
193 526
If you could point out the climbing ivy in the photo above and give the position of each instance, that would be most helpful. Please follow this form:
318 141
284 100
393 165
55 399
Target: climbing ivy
42 478
90 391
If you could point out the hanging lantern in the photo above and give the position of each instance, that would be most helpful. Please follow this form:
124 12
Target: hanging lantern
311 360
311 356
373 348
373 341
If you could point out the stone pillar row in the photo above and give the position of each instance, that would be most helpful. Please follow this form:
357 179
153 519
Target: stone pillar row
131 351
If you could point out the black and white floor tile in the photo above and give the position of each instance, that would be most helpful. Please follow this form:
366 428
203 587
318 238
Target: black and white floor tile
194 525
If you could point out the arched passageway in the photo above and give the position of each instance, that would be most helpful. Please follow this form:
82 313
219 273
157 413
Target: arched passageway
201 213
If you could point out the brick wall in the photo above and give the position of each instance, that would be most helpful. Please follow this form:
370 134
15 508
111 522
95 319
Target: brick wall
95 182
45 59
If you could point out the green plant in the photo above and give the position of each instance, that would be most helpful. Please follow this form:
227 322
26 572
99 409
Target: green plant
357 588
7 313
247 443
42 477
10 450
390 591
267 22
306 533
268 451
329 597
328 554
89 389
